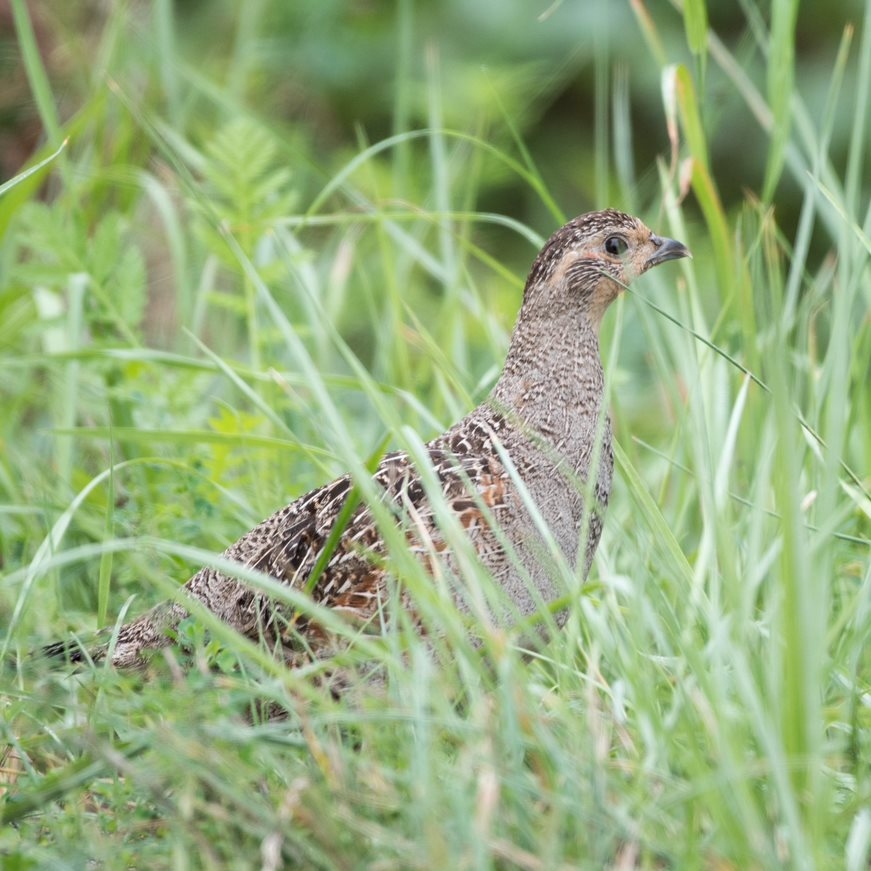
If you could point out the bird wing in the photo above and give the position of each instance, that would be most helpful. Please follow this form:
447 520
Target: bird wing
351 565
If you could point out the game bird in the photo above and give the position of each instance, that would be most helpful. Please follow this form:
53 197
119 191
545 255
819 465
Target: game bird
526 475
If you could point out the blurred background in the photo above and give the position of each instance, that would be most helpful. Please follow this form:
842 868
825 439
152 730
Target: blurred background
331 73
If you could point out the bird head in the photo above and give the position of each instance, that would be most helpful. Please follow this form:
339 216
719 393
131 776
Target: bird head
586 263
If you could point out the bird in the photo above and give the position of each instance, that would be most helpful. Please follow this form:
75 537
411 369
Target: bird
537 450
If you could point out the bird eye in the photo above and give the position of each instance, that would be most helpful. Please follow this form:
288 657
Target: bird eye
615 246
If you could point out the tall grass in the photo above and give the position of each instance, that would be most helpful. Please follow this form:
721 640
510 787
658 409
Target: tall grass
199 327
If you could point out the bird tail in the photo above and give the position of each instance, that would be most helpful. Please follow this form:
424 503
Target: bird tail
75 652
133 644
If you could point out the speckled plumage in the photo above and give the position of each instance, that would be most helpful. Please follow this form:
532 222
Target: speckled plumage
544 417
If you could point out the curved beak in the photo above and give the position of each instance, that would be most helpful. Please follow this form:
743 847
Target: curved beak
666 249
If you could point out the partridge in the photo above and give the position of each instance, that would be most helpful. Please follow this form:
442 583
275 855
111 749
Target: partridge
527 475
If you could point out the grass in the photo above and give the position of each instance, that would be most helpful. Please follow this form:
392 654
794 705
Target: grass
200 324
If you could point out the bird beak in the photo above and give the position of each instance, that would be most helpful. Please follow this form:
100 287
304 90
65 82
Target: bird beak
666 249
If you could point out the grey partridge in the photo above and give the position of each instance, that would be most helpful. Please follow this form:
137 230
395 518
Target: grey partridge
522 459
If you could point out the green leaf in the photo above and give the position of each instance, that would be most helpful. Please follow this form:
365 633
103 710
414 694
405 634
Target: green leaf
32 170
695 19
781 74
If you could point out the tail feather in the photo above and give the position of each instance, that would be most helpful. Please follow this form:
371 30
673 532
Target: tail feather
74 652
135 640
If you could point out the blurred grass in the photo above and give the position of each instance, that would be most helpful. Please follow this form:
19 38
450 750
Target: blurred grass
213 305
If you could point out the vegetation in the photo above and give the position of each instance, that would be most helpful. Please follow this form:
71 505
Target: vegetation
270 239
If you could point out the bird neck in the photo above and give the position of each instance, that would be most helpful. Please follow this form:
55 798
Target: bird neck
553 382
